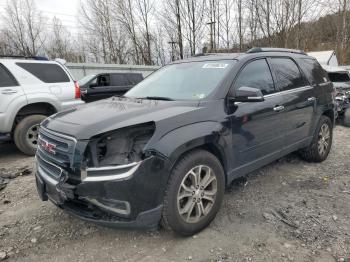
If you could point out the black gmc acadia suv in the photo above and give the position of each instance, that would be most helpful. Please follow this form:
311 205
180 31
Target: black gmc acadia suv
166 150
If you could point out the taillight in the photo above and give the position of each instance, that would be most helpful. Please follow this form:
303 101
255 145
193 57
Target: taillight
77 90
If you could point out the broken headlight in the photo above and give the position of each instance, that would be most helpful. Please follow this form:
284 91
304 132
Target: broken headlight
120 147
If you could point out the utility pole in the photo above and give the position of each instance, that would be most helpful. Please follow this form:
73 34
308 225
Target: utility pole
179 30
172 43
211 24
240 25
299 24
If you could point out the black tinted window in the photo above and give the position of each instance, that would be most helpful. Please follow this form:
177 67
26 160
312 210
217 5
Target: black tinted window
257 75
288 75
119 80
6 79
48 73
103 80
134 78
339 77
313 71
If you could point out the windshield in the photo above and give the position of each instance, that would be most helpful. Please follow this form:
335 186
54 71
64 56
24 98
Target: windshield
85 79
185 81
339 77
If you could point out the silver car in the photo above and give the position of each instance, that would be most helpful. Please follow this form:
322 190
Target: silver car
32 89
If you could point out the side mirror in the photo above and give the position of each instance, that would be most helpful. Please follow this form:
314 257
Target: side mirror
248 94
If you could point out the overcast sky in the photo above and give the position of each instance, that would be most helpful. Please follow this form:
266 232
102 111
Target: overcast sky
65 10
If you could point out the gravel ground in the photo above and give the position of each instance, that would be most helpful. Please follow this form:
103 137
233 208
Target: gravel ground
289 210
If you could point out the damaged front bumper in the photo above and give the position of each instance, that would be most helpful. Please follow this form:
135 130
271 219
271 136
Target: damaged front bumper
122 196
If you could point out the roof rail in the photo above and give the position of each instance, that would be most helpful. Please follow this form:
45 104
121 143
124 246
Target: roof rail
272 49
25 57
203 54
214 54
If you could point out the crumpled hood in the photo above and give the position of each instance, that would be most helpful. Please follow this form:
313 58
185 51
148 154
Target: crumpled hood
342 85
102 116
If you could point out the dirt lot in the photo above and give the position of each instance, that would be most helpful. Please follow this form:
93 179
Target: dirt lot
288 211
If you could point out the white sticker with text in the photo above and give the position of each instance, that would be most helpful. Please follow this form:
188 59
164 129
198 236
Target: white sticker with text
215 66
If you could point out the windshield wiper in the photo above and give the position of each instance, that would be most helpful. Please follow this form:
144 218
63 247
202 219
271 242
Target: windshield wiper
157 98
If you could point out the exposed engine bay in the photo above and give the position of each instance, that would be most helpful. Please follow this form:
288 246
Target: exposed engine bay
119 147
342 101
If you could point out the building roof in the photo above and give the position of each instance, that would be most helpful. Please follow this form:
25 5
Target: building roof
325 57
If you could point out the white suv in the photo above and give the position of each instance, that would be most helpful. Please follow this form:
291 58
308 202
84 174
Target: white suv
31 90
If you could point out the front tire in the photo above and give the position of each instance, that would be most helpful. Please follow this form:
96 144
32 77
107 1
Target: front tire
194 193
26 134
321 143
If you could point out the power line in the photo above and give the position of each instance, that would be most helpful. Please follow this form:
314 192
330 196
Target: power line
57 13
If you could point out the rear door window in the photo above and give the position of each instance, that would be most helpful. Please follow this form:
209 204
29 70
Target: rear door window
287 74
339 77
256 74
6 78
119 80
134 79
48 73
313 71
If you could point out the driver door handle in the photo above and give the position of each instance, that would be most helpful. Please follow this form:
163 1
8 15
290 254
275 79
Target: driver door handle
278 108
8 91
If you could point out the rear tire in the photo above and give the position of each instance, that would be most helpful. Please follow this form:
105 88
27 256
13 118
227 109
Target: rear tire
321 143
194 193
26 134
346 118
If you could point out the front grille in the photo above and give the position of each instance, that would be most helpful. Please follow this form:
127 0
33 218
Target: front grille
49 168
55 154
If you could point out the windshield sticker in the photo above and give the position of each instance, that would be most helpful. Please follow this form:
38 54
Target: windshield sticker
199 96
215 66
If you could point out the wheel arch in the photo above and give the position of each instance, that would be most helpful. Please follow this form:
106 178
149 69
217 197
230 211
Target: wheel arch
208 136
329 113
209 147
42 108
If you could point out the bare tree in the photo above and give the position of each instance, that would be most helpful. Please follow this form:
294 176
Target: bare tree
59 40
240 24
145 8
263 11
172 21
227 25
25 27
102 27
193 13
124 12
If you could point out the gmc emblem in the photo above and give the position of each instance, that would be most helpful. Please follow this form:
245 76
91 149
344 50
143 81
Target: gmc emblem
47 146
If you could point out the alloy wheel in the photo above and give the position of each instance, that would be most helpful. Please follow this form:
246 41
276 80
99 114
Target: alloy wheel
197 194
324 137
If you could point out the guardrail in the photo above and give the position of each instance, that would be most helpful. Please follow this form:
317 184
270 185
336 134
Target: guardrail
79 70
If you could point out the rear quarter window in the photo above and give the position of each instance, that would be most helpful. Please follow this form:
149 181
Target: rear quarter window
6 78
313 71
48 73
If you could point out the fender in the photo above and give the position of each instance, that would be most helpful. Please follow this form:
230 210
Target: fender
321 110
30 101
183 139
8 117
44 98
